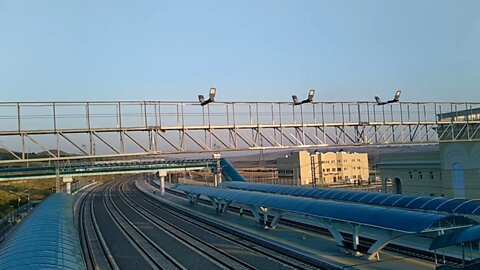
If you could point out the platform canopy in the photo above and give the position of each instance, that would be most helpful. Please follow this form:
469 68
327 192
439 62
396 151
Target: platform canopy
46 239
427 203
388 218
470 234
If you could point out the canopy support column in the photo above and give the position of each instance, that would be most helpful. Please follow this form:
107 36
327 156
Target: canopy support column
355 238
374 250
255 211
334 232
192 198
224 206
276 218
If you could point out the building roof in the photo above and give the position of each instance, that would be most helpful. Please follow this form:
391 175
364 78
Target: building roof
46 239
427 203
373 216
454 238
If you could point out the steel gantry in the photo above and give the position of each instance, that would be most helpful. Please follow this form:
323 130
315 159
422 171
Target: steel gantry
45 131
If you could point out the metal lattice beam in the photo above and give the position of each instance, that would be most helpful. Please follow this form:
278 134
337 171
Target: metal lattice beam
138 128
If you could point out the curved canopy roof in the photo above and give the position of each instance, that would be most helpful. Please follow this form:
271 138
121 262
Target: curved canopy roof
47 239
461 236
448 205
374 216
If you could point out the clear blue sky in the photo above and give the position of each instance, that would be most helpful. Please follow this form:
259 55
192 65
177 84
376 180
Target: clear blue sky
250 50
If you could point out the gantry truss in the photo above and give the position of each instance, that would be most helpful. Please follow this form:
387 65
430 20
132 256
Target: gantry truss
46 131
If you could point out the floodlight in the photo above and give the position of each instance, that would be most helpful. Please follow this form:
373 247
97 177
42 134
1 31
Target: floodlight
311 94
397 95
396 98
211 94
295 99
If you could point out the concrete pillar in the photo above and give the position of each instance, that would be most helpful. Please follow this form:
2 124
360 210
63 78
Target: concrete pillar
162 175
217 171
68 184
218 179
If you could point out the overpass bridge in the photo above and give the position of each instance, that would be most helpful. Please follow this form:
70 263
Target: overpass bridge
105 168
56 131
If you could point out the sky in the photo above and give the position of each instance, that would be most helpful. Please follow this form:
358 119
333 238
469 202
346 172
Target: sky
56 50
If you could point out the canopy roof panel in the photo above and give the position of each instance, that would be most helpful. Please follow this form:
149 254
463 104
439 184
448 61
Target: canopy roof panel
47 239
454 238
447 205
373 216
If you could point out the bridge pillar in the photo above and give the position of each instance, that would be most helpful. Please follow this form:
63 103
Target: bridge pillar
162 175
217 171
68 184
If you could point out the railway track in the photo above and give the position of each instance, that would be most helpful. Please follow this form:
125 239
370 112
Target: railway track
97 255
196 224
122 228
153 254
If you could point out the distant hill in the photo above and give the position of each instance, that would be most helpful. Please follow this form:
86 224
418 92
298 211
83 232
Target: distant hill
53 151
4 154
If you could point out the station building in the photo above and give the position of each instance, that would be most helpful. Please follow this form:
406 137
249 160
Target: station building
452 171
299 168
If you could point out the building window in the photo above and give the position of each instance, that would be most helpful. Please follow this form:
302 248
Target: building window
333 169
420 175
339 161
328 170
410 174
431 176
323 170
339 169
354 177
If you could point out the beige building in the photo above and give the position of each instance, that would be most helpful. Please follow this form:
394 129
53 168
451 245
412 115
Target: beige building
295 169
300 168
341 167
